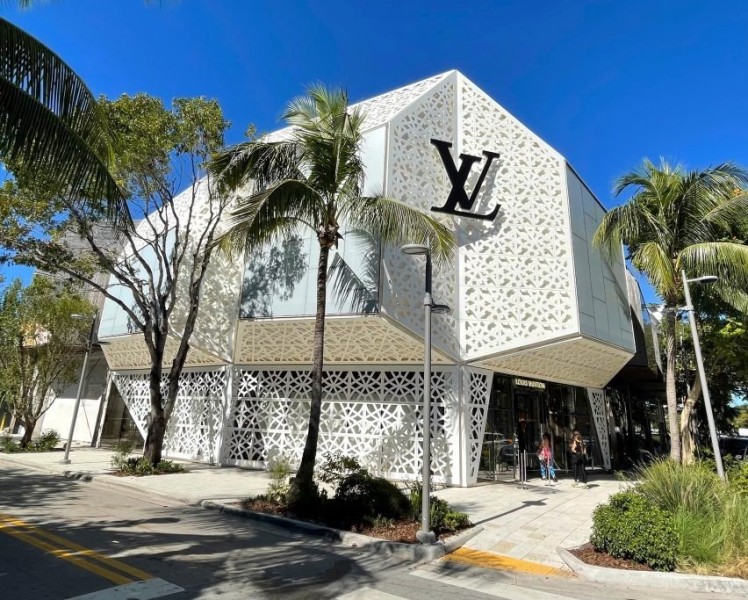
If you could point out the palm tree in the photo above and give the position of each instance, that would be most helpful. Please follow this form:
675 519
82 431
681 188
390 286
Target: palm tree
314 179
50 121
681 220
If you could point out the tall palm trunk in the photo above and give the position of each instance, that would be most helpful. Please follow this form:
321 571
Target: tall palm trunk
672 404
686 435
305 473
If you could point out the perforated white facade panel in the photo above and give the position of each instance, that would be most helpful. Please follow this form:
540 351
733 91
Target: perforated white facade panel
521 299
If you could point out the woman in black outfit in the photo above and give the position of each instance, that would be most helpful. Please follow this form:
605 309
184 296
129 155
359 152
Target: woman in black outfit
578 458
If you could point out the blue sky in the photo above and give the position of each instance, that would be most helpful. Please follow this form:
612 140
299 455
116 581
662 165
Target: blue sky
605 82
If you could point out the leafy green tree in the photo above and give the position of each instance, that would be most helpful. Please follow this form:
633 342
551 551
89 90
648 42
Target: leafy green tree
156 254
38 338
314 179
741 418
49 120
681 220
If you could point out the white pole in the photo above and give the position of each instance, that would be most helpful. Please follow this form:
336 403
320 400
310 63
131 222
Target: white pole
425 535
66 459
702 376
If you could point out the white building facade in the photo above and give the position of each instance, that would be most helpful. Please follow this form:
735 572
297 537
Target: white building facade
540 320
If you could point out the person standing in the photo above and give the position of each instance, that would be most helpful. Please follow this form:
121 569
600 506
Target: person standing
545 456
578 459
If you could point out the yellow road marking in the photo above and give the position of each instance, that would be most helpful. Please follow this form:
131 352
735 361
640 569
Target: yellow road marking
70 551
492 560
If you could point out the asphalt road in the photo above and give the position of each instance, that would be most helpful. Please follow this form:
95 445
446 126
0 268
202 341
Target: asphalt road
62 539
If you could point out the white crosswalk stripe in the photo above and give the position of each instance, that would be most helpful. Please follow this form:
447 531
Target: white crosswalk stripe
367 593
490 588
465 581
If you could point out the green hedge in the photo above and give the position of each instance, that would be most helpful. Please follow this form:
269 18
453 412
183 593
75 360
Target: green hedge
631 526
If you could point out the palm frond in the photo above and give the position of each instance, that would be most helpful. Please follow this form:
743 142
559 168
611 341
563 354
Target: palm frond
727 260
736 298
49 120
359 291
396 223
255 162
730 212
653 260
255 219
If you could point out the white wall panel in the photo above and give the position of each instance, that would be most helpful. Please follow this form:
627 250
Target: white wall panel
602 296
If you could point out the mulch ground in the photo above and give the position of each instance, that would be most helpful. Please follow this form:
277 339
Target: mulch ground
397 531
591 556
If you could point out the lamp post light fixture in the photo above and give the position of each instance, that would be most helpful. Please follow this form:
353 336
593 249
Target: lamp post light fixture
89 343
426 535
700 365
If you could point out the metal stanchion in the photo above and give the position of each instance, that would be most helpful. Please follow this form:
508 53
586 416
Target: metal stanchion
522 469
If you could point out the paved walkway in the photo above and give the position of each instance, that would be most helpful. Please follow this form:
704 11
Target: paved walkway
524 524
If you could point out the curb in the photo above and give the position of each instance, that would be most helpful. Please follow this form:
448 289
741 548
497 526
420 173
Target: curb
412 552
99 478
673 581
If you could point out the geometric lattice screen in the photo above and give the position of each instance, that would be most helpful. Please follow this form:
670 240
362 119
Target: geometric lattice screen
480 393
194 428
597 405
374 415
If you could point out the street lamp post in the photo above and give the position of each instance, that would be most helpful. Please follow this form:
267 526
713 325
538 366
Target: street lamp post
425 535
700 365
89 343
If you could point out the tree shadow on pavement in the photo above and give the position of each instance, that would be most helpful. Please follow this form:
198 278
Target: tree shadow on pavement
207 553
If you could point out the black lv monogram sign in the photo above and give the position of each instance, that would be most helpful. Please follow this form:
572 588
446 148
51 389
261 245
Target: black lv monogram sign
457 177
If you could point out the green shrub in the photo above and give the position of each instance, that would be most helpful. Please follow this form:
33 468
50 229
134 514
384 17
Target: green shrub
736 529
44 443
47 441
336 467
387 500
441 515
673 486
124 464
143 466
738 478
700 537
359 497
632 526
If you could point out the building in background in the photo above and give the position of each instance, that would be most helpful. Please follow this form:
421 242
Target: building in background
541 321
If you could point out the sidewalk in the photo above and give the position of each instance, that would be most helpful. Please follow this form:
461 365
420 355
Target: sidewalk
524 524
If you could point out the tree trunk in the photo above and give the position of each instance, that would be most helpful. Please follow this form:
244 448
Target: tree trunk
672 403
29 425
686 435
154 441
304 476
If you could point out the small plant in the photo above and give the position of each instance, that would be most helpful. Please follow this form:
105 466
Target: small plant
280 471
122 451
124 464
632 526
381 522
168 466
8 445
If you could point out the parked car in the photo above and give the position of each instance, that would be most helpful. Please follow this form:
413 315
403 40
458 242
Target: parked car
735 446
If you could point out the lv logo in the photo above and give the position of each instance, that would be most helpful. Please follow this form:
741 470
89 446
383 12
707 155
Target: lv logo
457 177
